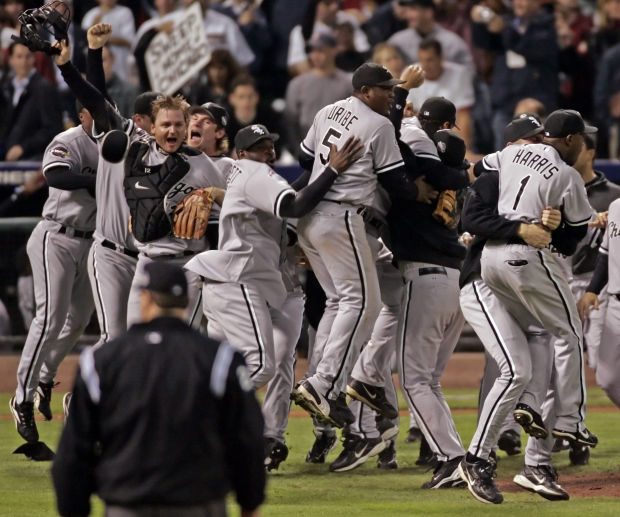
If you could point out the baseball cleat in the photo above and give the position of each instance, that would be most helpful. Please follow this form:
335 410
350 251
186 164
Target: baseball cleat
387 429
43 398
510 442
275 453
328 411
542 480
579 455
373 396
356 450
323 444
560 444
66 400
479 478
530 420
23 414
387 457
414 435
340 412
427 457
446 474
584 437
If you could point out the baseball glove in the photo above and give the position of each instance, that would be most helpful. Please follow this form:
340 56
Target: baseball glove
445 211
192 213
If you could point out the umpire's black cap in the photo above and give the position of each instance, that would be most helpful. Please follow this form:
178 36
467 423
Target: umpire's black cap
248 136
372 74
142 105
438 109
525 125
167 279
562 123
215 111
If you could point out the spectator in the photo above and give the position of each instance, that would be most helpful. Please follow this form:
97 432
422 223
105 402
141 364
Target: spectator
445 79
530 105
608 33
386 19
348 58
390 57
607 102
420 17
162 421
162 19
214 84
526 63
322 16
124 31
307 93
30 109
246 109
121 92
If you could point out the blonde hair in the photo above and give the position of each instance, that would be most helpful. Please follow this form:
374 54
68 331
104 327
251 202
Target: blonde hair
168 102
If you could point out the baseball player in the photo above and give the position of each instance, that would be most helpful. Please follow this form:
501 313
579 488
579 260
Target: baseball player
58 251
347 272
243 281
606 274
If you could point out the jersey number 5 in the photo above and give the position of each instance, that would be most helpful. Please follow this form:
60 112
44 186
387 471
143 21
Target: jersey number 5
331 137
518 198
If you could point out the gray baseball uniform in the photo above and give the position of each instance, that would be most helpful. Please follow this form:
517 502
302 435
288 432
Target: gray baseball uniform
243 281
58 250
527 280
333 236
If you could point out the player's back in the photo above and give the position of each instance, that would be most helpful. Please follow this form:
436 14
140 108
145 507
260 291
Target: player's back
334 124
533 177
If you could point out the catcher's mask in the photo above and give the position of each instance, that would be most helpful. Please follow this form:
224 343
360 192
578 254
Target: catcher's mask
52 19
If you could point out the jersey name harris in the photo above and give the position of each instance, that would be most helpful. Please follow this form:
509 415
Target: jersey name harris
536 162
342 116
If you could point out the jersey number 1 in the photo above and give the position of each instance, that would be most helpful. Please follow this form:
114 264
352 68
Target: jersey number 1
523 183
331 137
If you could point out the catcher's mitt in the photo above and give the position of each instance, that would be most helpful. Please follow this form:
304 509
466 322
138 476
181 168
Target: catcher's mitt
192 213
445 211
38 25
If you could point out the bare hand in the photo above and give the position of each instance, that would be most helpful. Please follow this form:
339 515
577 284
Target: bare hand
98 35
248 16
413 76
65 52
588 300
408 111
426 193
551 218
534 235
340 160
466 238
166 27
14 153
600 222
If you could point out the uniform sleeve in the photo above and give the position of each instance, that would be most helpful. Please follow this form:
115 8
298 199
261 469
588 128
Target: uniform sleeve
576 207
60 154
385 152
308 143
265 191
491 162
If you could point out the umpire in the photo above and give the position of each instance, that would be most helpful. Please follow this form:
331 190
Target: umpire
163 421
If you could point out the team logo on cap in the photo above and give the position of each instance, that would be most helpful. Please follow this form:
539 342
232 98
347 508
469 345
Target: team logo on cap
441 146
257 129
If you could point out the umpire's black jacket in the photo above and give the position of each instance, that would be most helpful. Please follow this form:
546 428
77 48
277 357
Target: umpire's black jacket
160 416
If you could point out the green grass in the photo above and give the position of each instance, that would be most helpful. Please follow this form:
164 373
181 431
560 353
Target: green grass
299 489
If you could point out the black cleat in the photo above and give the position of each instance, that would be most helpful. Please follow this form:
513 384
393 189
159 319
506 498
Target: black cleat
414 435
324 410
427 457
43 398
579 455
479 478
510 442
323 444
446 474
560 444
275 453
387 457
584 437
356 450
493 460
373 396
340 412
23 414
542 480
530 420
387 429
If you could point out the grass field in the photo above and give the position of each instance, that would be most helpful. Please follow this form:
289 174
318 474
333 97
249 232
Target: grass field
299 489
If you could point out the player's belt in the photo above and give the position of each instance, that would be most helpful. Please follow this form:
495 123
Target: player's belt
110 245
72 232
437 270
186 253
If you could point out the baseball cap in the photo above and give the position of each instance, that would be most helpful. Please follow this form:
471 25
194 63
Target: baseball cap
248 136
562 123
321 41
438 109
142 105
373 74
417 3
164 278
215 111
525 125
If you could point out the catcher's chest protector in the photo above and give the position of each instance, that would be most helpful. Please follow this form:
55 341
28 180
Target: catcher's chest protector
145 190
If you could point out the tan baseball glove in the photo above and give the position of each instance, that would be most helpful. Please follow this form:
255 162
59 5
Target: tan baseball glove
192 213
445 211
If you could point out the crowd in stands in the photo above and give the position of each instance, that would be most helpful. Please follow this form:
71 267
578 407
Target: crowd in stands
278 62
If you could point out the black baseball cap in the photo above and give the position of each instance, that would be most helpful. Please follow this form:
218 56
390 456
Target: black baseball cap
321 41
373 74
142 105
248 136
215 111
562 123
417 3
168 279
438 109
525 125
